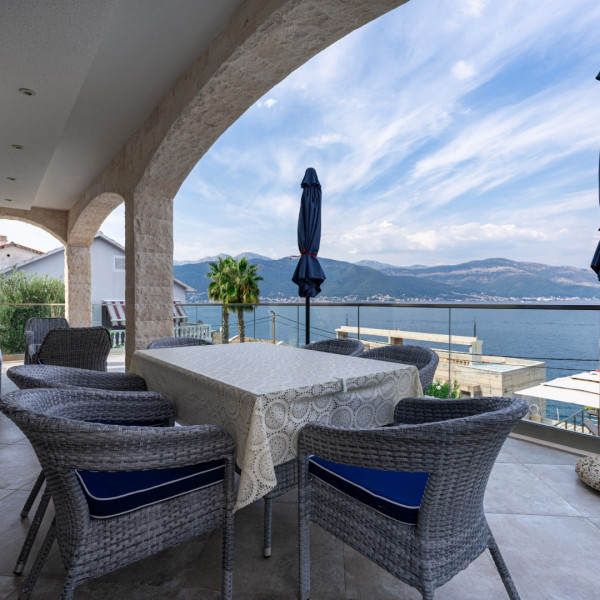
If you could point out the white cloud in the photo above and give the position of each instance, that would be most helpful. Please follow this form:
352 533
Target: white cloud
268 103
427 129
473 8
463 70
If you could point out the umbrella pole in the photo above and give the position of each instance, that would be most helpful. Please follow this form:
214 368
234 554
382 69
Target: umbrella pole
307 320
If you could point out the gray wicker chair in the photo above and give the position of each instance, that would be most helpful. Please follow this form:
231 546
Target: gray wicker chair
176 342
80 347
424 359
46 376
36 329
347 346
70 448
449 447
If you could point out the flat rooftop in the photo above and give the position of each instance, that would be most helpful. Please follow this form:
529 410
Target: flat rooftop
545 520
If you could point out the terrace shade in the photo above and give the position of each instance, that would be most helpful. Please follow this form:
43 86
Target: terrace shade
582 389
309 275
116 312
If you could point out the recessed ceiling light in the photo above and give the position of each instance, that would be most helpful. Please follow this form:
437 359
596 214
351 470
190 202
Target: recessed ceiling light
18 146
11 178
27 92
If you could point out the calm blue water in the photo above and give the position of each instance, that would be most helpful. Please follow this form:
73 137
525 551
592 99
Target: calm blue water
566 340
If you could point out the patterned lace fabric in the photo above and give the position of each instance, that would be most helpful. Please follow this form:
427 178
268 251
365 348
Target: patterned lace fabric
263 394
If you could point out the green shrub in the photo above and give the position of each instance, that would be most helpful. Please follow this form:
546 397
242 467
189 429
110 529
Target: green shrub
20 293
442 390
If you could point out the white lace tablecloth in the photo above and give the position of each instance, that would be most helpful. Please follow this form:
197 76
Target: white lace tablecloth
263 394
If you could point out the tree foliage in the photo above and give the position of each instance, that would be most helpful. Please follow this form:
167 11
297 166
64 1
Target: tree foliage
221 289
233 282
245 281
20 288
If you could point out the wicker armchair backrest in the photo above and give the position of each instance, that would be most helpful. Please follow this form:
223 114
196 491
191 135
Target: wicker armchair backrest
425 359
176 342
40 376
80 347
347 346
40 326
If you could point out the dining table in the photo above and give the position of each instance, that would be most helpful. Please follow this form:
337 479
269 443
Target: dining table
263 394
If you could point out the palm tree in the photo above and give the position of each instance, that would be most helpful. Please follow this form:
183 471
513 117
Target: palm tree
245 281
222 289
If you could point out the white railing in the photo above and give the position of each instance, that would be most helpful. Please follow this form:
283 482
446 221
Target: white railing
195 330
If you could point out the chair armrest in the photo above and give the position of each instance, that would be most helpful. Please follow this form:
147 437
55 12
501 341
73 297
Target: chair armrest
114 448
107 406
413 448
430 410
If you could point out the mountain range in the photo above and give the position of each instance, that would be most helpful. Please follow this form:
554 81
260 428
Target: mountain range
489 279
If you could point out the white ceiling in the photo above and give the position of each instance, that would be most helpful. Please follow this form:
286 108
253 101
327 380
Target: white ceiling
98 68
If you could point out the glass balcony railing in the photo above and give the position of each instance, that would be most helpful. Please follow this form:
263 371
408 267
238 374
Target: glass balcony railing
484 349
534 350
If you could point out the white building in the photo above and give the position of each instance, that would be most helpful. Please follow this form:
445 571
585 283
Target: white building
12 254
108 276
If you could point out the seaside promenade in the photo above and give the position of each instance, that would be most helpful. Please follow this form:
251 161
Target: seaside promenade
545 520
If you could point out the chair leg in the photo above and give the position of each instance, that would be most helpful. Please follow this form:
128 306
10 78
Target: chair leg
38 564
304 547
32 495
227 560
503 570
268 523
68 590
33 530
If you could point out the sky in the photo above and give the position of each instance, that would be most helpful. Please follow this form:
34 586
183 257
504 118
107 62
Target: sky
443 132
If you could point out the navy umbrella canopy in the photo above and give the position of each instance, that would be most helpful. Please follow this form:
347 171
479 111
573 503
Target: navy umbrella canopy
309 275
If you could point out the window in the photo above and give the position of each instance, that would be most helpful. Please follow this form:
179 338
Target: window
119 263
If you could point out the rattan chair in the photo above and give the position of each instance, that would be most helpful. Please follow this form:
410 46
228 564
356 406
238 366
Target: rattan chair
355 483
36 329
99 537
41 376
176 342
80 347
46 376
347 346
424 359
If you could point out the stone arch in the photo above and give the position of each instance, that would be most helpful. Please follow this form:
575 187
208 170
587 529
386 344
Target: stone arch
85 223
51 221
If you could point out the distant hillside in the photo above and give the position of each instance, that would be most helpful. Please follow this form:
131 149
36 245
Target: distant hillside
496 278
343 280
509 279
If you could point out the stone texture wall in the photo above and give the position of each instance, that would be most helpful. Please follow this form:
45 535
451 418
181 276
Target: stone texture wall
149 270
78 285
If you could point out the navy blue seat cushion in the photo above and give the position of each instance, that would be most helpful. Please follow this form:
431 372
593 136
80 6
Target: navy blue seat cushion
110 494
395 494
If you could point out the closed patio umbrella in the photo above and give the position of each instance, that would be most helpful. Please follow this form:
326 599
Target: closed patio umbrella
596 259
309 275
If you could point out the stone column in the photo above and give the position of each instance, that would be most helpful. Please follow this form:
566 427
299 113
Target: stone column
148 270
78 285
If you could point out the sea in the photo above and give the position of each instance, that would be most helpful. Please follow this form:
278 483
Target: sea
567 340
